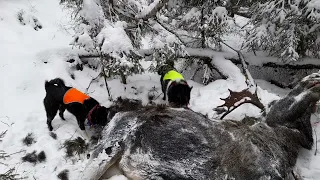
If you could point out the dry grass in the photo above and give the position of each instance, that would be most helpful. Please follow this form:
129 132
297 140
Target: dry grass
28 140
75 146
64 175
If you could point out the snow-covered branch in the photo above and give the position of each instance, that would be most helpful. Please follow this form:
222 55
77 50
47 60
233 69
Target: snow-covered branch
286 29
152 9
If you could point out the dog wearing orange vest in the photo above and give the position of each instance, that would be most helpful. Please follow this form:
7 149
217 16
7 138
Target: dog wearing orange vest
61 97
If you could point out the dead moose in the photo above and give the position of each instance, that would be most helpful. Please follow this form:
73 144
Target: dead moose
157 142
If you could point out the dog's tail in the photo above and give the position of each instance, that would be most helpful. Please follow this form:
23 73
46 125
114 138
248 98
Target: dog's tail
54 82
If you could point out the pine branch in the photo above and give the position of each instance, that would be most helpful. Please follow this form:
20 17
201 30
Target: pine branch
93 79
171 31
11 175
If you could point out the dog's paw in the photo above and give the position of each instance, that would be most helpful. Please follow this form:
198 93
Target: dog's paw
85 135
62 118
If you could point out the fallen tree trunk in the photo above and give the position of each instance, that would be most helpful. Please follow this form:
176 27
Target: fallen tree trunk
275 65
281 75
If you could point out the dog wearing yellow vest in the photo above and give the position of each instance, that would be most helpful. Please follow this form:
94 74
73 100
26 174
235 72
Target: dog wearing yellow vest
61 97
174 86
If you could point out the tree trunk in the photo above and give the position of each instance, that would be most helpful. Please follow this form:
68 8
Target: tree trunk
203 35
123 77
302 46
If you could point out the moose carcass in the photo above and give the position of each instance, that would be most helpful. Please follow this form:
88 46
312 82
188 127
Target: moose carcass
167 143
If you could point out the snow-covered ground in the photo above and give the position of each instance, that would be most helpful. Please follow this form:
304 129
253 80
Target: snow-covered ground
28 57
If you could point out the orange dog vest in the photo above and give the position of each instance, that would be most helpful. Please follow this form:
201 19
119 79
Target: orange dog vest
74 95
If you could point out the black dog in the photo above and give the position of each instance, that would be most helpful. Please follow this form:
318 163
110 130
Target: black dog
174 86
61 97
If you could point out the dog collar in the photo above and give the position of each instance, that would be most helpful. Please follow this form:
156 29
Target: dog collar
174 82
90 113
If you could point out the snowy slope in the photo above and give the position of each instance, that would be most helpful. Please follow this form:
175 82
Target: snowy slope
22 78
23 51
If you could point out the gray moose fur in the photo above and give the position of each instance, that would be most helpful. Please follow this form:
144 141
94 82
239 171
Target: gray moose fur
164 143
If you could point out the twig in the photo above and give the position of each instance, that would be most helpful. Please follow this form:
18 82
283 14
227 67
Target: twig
91 82
4 164
315 132
315 152
158 96
245 25
73 134
129 7
169 30
154 90
3 134
104 75
17 152
195 72
3 155
294 175
90 92
63 146
7 119
6 123
105 81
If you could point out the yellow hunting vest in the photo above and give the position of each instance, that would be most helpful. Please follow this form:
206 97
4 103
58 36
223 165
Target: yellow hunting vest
172 75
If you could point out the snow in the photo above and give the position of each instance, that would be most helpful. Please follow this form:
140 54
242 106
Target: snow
194 13
114 38
92 11
219 14
232 72
146 9
118 177
85 41
29 57
313 8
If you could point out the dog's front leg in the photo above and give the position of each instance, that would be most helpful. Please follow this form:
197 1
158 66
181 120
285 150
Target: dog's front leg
164 85
85 135
83 129
164 96
62 108
49 120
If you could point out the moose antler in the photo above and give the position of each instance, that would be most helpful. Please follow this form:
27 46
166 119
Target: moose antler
236 99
